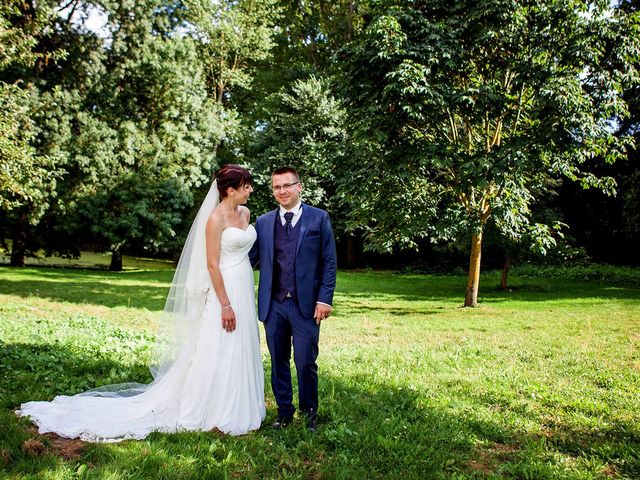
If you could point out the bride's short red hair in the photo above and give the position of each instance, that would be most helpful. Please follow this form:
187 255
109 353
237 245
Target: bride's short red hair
232 176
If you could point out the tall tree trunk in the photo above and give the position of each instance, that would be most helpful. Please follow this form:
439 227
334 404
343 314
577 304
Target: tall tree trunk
471 299
19 246
351 251
352 11
505 271
116 261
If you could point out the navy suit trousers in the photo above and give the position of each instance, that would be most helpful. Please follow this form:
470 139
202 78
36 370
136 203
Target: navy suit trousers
284 322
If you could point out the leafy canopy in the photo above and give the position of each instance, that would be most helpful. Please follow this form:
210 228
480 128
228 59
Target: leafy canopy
464 110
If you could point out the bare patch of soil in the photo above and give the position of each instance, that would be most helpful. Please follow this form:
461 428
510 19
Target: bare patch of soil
67 448
33 446
611 472
487 457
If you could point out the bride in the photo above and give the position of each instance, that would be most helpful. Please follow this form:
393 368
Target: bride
207 364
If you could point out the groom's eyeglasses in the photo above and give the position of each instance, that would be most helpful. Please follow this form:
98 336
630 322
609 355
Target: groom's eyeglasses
284 186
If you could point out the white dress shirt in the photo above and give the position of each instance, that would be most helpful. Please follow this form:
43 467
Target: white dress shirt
297 212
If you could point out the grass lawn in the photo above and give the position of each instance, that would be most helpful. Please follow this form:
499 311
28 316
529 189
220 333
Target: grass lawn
539 383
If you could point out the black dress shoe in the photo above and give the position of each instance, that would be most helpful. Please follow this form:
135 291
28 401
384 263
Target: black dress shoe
312 423
311 416
281 422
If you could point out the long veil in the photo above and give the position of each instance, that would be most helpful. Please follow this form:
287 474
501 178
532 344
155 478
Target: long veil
187 296
178 325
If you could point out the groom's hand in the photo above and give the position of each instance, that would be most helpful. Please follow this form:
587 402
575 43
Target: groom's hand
322 312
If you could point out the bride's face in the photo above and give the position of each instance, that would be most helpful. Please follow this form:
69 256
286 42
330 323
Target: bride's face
241 194
286 190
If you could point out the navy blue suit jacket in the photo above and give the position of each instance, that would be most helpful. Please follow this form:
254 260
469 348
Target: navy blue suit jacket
315 260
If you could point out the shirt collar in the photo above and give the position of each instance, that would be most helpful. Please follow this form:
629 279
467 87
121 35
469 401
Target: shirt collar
296 210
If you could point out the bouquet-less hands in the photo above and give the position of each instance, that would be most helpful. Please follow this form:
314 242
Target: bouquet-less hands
228 318
322 312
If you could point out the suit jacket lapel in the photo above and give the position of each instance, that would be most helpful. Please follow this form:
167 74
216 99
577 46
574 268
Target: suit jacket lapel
304 221
270 233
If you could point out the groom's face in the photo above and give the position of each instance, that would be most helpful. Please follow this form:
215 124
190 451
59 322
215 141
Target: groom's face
286 189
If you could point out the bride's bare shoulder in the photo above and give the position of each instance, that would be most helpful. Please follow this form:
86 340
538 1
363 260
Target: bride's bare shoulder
245 212
215 220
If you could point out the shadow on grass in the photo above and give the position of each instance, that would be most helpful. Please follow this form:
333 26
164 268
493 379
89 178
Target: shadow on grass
39 372
367 429
130 289
353 308
414 434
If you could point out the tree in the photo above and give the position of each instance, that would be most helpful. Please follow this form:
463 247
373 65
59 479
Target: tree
466 109
311 32
616 234
305 130
133 120
232 37
145 135
27 180
304 41
27 176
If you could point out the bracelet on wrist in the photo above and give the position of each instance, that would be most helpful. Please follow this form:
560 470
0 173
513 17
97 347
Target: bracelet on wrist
226 306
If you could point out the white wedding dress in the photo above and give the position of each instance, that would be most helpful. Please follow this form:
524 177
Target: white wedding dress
215 380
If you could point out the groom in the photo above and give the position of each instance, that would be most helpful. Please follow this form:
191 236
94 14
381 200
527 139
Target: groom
297 255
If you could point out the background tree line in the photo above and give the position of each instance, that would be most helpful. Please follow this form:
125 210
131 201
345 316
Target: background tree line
443 128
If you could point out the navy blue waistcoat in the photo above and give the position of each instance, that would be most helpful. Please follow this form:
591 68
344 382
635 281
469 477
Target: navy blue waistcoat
284 250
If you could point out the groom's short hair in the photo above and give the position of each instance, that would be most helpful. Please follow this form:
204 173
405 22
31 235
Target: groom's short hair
283 170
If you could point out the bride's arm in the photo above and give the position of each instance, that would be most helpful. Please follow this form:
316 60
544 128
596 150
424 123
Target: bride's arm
214 229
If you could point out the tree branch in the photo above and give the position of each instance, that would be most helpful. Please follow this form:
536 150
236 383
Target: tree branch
498 133
454 132
468 129
63 7
519 112
73 10
485 125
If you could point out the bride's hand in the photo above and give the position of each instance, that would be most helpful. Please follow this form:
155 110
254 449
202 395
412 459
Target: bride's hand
228 319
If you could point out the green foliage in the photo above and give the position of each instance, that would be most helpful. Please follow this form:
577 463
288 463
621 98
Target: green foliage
131 127
232 39
311 32
232 36
481 103
148 139
306 38
538 383
306 130
129 124
409 121
27 180
470 110
28 175
140 211
22 27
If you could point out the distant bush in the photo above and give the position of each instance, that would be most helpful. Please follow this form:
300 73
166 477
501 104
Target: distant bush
564 253
581 271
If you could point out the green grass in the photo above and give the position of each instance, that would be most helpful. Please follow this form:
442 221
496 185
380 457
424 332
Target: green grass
539 383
